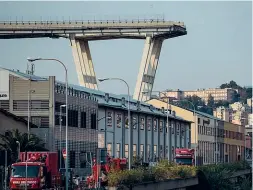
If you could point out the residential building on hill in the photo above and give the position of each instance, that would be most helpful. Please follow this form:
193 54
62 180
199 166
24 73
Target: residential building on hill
226 94
225 114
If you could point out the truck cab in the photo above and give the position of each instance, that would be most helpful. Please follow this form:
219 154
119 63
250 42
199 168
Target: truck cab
35 170
184 156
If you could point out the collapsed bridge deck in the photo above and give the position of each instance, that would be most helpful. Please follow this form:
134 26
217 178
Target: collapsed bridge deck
79 32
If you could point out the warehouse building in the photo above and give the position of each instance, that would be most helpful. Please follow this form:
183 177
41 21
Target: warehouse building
96 119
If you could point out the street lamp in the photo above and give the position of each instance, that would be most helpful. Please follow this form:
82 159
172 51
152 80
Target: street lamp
61 106
195 116
28 111
168 127
18 148
129 119
66 97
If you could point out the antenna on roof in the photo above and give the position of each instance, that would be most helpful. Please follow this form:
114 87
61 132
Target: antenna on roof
28 71
32 69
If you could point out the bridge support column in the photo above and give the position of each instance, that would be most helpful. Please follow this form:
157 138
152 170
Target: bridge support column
83 62
147 71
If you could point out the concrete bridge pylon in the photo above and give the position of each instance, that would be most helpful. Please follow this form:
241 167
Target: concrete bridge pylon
148 67
83 62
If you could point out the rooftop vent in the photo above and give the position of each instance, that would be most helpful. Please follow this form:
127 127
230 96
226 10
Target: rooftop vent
162 109
123 101
107 97
138 105
174 113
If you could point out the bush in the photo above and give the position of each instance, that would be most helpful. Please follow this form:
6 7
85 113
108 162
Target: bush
218 175
163 171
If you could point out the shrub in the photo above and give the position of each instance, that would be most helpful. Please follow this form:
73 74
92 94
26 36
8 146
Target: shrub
218 175
163 171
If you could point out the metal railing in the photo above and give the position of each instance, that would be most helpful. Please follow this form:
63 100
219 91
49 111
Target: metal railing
87 22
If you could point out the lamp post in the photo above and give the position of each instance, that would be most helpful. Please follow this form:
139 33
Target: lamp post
5 168
28 111
129 119
195 116
167 120
66 97
18 148
61 106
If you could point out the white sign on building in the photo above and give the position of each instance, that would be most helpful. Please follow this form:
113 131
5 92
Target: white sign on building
4 85
101 140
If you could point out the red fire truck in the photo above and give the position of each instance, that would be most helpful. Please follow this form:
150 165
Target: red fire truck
36 170
102 166
184 156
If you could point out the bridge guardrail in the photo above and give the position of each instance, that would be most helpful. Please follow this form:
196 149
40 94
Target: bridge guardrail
93 22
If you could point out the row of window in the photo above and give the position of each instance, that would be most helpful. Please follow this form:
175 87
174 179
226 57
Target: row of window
156 153
207 150
73 120
210 131
22 105
109 119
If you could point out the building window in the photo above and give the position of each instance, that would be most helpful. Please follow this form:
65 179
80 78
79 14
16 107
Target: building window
161 126
178 129
149 124
161 151
155 124
82 159
166 152
73 118
93 121
109 149
126 150
134 124
119 120
126 122
155 149
44 122
118 150
134 150
148 151
83 120
172 128
141 150
72 160
109 119
142 123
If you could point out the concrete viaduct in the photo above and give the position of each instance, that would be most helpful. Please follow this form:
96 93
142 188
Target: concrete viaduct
154 32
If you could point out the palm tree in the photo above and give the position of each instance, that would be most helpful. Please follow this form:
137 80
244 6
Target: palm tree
9 142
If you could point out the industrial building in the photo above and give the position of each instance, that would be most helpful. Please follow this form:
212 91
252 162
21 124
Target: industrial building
96 119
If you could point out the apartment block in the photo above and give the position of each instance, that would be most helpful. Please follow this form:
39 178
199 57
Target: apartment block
218 94
225 114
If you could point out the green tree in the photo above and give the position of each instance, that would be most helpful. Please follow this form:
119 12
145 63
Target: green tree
9 142
231 84
222 103
210 101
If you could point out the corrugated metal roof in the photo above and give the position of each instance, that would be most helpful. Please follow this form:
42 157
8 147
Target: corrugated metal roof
145 107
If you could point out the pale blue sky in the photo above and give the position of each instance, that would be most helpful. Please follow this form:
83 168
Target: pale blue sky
216 49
